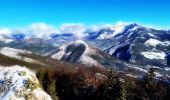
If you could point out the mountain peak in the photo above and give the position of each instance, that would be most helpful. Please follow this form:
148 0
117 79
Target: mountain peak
80 42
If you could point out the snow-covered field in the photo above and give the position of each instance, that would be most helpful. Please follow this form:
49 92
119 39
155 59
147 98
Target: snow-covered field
155 42
14 53
154 55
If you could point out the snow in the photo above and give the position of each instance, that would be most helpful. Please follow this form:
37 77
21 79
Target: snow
157 74
59 54
134 28
5 40
140 69
11 52
154 42
154 55
130 75
118 28
14 88
14 53
106 35
167 69
151 34
77 42
87 60
85 57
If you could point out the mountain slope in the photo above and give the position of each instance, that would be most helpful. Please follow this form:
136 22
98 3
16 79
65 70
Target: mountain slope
80 52
132 44
137 44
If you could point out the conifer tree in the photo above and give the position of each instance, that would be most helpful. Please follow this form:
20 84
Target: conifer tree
150 75
51 89
111 77
122 91
109 89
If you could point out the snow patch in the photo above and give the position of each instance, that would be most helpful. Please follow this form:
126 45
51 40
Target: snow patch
154 55
14 53
154 42
118 28
5 40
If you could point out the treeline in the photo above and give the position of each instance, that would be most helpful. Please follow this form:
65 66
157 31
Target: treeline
91 83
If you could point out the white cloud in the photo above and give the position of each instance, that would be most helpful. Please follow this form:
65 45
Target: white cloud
77 29
99 26
43 30
121 23
5 31
108 25
40 30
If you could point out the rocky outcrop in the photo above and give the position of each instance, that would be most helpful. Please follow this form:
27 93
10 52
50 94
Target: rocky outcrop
20 83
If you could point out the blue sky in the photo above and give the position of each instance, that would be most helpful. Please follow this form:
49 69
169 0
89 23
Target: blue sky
16 13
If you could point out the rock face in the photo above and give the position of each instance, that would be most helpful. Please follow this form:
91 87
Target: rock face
19 83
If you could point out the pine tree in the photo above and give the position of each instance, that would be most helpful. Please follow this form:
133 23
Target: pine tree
109 89
122 91
51 89
149 84
111 77
40 76
150 76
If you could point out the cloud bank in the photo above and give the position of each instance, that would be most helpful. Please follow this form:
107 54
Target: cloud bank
77 28
43 30
40 30
5 31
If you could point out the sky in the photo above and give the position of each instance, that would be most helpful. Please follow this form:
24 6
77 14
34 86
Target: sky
18 13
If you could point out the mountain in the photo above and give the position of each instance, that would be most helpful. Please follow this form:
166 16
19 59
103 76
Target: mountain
120 45
111 32
82 53
136 44
130 49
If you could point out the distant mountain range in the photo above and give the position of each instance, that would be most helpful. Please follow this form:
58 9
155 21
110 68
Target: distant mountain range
126 43
128 48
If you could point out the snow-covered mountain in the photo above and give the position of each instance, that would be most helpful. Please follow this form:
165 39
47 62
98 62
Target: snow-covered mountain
111 32
130 42
80 52
19 83
134 43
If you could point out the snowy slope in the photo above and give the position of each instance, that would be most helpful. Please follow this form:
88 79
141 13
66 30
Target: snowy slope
155 42
83 56
138 44
80 52
118 28
5 40
14 53
19 83
154 55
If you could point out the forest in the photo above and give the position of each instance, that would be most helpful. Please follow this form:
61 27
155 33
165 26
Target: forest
92 83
